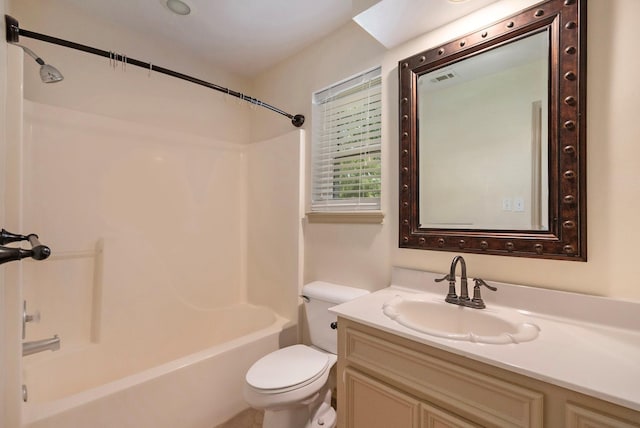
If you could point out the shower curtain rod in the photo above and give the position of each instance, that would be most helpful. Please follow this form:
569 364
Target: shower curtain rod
14 32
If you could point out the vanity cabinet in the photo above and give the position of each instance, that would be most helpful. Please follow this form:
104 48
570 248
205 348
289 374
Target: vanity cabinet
386 381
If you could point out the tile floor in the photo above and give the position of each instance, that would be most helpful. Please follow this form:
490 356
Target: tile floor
249 418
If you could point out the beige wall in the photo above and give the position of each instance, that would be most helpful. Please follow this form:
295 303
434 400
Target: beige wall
362 255
91 86
353 255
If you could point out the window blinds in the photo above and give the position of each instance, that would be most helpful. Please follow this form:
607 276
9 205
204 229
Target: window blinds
346 163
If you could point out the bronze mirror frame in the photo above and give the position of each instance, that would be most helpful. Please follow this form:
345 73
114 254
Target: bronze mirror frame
565 238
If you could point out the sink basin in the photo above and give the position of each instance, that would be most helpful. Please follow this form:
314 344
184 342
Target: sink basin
441 319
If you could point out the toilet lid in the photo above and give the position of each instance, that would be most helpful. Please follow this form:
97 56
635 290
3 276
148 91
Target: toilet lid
287 367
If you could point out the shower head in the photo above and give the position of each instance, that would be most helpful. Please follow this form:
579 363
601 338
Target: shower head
48 73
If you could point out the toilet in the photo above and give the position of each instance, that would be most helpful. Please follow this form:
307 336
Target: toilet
290 384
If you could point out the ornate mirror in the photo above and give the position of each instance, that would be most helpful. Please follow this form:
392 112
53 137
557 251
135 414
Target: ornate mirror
492 138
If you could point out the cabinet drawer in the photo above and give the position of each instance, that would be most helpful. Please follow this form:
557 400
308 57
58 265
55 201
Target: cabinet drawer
580 417
474 396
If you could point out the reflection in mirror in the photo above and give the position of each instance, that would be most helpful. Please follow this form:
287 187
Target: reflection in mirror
483 144
493 138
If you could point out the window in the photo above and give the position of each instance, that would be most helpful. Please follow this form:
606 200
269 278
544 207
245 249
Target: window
346 141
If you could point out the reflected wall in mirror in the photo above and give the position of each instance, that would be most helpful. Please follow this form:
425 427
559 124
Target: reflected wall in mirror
492 133
486 116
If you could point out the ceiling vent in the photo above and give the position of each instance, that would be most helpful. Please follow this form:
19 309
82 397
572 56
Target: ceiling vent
444 75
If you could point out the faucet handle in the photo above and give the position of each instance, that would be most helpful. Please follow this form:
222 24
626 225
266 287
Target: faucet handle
444 278
452 297
26 317
479 282
476 302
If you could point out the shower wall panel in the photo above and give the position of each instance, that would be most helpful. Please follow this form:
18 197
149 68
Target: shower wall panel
275 212
143 224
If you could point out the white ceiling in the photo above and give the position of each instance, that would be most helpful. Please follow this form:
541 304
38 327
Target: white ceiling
249 36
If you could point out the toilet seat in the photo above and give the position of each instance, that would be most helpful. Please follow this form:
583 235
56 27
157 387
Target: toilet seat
287 369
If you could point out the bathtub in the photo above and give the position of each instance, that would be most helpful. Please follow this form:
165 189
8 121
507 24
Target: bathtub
192 379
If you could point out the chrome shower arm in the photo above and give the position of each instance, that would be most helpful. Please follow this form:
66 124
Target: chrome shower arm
31 53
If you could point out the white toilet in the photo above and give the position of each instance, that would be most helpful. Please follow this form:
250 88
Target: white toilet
290 384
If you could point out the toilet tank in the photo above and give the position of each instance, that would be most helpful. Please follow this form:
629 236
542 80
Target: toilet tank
319 296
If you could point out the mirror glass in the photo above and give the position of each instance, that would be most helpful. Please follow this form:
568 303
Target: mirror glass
483 140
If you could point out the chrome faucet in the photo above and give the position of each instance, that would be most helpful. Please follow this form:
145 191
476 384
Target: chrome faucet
463 299
52 344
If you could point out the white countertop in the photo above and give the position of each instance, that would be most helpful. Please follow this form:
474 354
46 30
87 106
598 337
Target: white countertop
587 344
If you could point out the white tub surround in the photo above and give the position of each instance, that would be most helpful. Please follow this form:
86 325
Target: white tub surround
586 344
153 282
199 390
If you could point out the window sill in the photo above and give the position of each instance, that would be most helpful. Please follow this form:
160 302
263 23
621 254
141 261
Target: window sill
350 217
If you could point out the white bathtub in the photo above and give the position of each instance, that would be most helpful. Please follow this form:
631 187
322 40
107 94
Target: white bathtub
190 380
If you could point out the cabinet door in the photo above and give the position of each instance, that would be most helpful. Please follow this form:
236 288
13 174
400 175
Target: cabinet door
431 417
372 404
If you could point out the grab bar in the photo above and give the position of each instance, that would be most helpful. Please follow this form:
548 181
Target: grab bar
52 344
8 254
